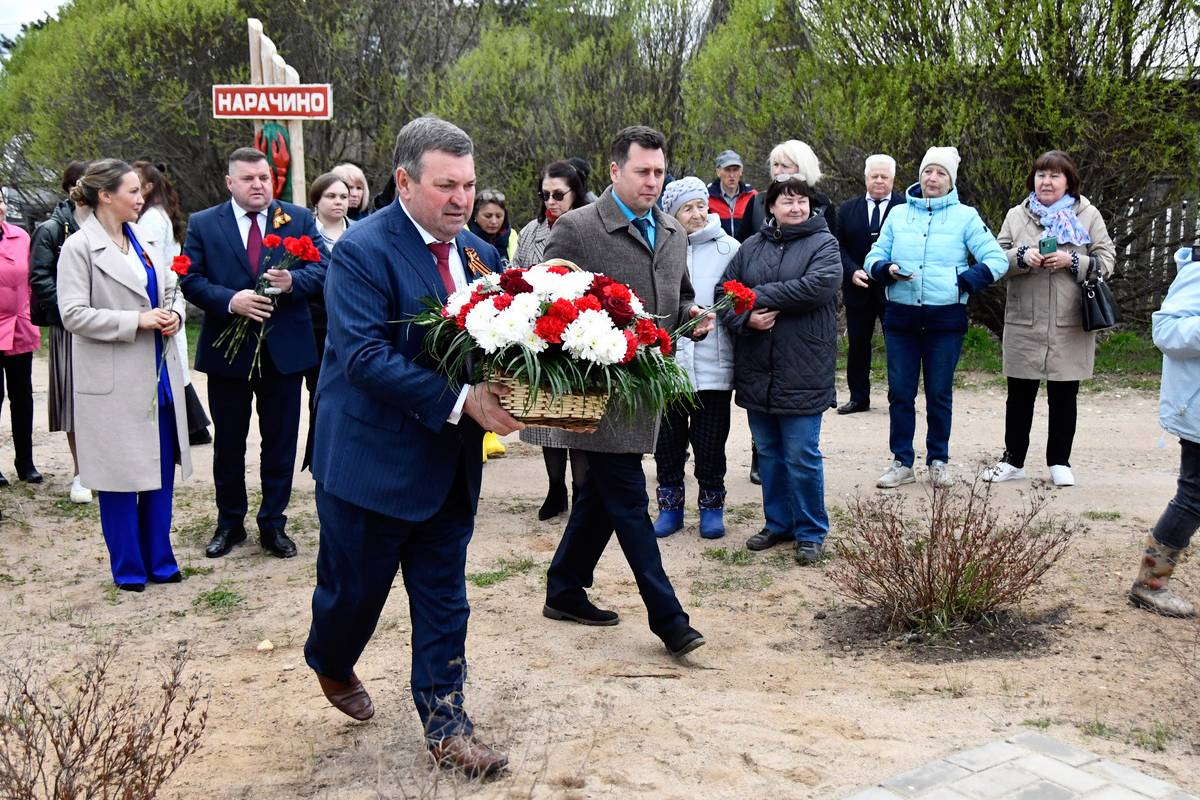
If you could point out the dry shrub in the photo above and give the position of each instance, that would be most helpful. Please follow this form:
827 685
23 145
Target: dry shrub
953 565
92 735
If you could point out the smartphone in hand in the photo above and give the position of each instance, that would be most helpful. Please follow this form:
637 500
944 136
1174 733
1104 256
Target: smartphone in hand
903 274
1047 245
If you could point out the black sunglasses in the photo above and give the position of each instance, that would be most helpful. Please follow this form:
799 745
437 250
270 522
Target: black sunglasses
557 194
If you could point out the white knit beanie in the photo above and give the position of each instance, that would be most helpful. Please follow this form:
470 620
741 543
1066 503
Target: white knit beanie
945 157
681 191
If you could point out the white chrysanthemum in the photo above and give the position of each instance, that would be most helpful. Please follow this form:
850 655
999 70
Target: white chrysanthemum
534 342
592 337
527 305
635 303
481 326
512 326
550 286
457 300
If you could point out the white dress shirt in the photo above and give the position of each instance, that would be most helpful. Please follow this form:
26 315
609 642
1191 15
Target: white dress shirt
881 202
459 274
243 221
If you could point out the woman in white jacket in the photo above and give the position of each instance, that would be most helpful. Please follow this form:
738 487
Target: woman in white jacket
709 364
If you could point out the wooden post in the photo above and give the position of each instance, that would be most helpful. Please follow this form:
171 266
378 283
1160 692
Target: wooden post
267 67
296 135
256 77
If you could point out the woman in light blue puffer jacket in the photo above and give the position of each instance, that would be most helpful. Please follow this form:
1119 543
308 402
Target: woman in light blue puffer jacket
921 257
1177 335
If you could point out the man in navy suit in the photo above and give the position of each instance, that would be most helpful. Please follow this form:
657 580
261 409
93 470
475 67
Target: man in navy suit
396 453
225 244
860 221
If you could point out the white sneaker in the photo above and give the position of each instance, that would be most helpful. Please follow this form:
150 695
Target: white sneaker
79 493
897 475
1002 471
1062 475
939 474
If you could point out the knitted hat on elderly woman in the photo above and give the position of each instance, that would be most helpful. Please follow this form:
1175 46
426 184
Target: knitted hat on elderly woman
945 157
682 191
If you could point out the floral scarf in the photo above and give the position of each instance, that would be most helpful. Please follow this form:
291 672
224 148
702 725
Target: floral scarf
1060 220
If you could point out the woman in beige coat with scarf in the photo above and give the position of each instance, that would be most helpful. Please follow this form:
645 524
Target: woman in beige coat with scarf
1044 337
126 427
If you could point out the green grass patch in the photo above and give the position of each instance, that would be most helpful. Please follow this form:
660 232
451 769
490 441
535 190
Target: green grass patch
189 571
731 558
732 582
221 600
1099 730
195 531
1155 740
1104 516
63 507
743 513
506 568
1039 723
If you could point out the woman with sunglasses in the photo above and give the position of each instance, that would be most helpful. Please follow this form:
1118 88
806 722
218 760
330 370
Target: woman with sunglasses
560 190
489 221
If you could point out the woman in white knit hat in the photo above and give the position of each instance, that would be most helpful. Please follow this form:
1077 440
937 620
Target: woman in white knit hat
709 364
921 258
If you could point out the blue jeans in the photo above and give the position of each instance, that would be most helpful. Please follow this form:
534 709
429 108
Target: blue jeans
912 354
1181 517
793 474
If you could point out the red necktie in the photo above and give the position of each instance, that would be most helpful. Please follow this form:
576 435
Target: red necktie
254 245
441 251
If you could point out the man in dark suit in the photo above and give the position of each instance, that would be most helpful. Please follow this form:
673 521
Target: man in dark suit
628 238
396 455
225 244
860 221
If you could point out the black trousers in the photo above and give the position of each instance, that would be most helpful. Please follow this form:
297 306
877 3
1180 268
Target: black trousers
1018 419
1181 517
311 376
860 333
18 380
276 398
707 428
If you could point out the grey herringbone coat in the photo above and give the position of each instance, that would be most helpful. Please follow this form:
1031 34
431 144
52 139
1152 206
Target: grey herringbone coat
599 238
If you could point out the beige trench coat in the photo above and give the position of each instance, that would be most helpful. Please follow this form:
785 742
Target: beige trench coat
1044 337
114 362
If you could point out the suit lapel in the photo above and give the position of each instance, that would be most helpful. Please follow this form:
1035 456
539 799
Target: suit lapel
411 247
233 237
108 259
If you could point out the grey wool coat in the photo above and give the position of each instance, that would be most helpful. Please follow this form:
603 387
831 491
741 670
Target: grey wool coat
115 368
599 238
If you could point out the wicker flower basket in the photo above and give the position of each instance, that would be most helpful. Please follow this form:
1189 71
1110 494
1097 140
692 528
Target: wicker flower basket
580 413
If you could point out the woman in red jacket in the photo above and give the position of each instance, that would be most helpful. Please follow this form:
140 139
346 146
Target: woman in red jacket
18 339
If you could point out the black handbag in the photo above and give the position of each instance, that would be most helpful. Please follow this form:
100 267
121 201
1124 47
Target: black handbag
1099 309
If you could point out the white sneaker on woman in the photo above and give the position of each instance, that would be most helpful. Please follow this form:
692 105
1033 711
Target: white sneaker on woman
1061 475
939 474
1002 471
79 493
897 475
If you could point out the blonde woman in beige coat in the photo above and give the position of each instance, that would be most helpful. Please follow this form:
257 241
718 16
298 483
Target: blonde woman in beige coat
1044 339
126 427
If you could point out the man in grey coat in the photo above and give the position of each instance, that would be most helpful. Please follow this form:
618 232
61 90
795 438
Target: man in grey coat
626 237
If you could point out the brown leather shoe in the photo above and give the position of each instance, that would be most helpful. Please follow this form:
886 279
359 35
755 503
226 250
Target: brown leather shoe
350 698
467 754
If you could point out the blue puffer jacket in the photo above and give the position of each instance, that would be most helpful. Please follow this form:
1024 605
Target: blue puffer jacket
932 239
1177 334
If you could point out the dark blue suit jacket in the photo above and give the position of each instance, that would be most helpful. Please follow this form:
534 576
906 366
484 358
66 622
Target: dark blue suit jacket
220 269
854 235
382 441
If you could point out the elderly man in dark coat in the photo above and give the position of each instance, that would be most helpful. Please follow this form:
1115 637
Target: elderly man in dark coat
625 236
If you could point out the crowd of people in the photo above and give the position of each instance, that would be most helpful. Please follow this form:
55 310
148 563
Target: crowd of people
395 447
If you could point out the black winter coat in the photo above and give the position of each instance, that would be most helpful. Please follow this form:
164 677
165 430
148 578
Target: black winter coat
44 247
788 369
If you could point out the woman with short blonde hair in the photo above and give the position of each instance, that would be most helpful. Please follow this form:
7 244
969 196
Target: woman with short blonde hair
360 193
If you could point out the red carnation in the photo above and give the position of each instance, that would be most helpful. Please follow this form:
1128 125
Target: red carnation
617 290
271 241
588 303
293 246
502 302
743 296
631 346
513 281
664 342
619 309
558 270
647 331
563 309
550 329
311 253
307 242
180 265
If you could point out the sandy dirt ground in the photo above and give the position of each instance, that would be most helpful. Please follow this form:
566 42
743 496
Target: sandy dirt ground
789 699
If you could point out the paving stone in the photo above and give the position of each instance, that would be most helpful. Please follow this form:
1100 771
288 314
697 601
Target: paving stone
1182 795
912 783
1040 743
942 793
1063 774
981 758
1044 790
874 793
1112 792
999 781
1131 779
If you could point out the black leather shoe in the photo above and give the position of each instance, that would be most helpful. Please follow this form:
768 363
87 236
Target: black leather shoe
29 474
582 612
683 642
201 436
132 587
277 543
853 407
224 540
556 502
766 539
3 480
176 578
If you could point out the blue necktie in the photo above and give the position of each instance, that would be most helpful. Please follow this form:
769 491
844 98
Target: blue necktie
643 226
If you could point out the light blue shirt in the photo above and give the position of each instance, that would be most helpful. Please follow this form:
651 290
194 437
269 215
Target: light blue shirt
648 216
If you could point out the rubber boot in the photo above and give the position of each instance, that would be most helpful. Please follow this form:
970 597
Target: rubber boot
670 511
1150 589
712 513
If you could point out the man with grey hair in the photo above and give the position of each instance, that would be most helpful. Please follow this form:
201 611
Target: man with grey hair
397 444
860 221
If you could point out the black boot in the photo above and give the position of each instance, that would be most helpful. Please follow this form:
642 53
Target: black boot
755 478
556 502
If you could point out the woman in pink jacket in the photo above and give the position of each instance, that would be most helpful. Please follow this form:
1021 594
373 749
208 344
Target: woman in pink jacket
18 339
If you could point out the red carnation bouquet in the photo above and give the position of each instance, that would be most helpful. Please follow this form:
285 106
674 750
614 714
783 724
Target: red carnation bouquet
555 333
297 250
180 266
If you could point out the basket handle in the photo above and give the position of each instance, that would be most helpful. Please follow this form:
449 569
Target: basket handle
561 262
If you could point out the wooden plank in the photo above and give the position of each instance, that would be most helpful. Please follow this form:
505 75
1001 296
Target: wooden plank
296 135
255 29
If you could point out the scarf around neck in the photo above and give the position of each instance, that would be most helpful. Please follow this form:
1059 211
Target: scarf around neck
1060 220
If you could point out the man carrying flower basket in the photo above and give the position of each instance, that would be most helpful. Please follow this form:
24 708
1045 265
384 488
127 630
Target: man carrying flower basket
626 237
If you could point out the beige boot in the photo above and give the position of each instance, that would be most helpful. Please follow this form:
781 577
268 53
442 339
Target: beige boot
1150 589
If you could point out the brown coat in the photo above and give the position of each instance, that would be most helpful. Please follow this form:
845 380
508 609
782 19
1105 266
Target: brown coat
600 238
115 370
1044 337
